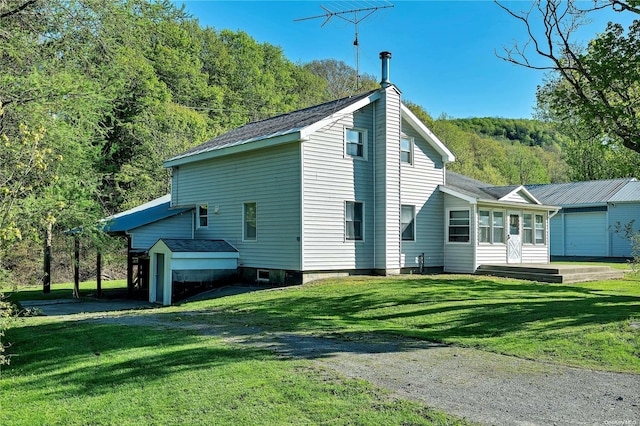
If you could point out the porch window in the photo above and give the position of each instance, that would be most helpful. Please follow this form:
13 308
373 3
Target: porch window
527 228
250 222
203 216
459 226
408 223
490 226
484 226
498 227
406 150
354 228
540 233
356 143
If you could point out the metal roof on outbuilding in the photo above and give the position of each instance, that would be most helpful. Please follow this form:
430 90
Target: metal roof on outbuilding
147 213
578 193
202 246
629 193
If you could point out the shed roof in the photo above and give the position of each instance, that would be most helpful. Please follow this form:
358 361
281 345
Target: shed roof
580 193
206 246
147 213
275 126
628 193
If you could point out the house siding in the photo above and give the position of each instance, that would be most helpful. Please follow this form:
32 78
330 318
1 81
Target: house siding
622 213
419 182
330 178
387 181
179 226
459 257
270 177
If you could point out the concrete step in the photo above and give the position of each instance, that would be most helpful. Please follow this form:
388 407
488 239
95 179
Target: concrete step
552 274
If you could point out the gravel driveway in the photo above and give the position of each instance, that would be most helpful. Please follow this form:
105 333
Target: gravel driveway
480 386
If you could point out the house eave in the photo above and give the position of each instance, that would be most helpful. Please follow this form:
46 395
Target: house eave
523 190
447 156
238 147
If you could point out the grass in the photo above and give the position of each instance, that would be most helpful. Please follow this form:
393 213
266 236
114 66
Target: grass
84 372
65 291
583 325
78 373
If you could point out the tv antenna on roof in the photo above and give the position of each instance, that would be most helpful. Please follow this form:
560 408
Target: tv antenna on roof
365 12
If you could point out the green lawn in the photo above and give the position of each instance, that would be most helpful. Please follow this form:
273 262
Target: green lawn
586 325
82 372
65 291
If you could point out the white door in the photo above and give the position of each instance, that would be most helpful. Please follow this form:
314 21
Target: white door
514 239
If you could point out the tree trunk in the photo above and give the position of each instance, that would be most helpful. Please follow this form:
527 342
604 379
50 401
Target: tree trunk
46 278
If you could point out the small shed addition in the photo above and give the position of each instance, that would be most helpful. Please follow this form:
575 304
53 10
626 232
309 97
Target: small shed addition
180 265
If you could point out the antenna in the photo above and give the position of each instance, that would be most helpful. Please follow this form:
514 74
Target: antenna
355 21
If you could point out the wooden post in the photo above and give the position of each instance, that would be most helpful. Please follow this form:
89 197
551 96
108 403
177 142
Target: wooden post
129 267
76 267
99 273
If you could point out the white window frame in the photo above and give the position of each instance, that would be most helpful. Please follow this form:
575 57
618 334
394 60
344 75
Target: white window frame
492 226
200 216
365 145
410 152
449 226
244 221
412 223
543 228
528 229
346 222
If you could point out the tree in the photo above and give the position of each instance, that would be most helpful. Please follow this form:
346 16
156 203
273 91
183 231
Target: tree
598 85
340 78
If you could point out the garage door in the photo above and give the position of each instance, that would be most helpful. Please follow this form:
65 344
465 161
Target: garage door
586 234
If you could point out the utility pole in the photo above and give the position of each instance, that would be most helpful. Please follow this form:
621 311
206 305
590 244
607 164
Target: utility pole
364 12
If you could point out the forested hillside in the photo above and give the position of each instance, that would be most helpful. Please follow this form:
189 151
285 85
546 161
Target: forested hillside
95 95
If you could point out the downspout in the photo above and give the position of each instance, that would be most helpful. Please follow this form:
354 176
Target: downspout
375 224
301 239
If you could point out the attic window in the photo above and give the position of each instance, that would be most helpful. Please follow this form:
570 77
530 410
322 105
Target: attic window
356 143
406 150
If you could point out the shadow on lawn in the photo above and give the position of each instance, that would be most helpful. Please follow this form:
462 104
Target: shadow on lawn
73 358
434 309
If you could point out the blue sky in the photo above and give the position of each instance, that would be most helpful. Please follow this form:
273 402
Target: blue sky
443 51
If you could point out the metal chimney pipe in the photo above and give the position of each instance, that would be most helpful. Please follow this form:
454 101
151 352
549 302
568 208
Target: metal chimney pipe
385 57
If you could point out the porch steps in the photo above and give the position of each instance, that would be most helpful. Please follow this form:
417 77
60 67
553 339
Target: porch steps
551 273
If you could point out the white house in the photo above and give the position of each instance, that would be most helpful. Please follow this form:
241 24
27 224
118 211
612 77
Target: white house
352 186
586 225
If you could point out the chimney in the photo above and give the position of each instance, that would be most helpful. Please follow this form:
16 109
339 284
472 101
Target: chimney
385 57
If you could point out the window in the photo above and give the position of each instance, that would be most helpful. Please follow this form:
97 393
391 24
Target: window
540 229
459 226
527 228
353 221
250 225
498 227
355 141
406 150
490 226
203 216
484 226
408 223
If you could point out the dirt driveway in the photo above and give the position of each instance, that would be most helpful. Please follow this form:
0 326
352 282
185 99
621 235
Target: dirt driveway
483 387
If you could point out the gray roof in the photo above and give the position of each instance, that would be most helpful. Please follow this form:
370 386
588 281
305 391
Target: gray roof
275 126
629 193
578 193
206 246
147 213
476 188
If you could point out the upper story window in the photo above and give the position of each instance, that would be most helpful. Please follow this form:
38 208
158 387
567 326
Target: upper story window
406 150
250 222
354 220
408 223
203 216
356 143
458 226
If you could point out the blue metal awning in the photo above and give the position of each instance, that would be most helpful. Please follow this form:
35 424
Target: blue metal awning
147 213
